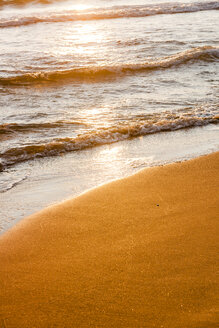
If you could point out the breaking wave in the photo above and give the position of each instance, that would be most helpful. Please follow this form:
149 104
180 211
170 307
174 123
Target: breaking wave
206 53
104 136
110 13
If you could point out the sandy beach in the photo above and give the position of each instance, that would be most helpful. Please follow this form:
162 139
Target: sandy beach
137 252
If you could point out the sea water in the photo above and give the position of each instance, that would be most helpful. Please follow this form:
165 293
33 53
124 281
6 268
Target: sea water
91 91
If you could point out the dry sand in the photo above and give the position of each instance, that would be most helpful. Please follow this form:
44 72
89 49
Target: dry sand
114 258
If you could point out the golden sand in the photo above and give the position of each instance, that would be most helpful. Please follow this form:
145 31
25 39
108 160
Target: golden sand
138 252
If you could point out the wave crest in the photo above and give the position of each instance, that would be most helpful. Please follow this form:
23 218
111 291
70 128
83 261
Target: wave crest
206 53
110 13
102 136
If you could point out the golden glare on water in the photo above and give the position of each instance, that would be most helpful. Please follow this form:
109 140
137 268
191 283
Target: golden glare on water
94 111
89 33
90 115
81 40
78 7
110 154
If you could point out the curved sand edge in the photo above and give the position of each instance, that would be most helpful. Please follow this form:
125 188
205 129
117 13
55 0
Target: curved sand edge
113 258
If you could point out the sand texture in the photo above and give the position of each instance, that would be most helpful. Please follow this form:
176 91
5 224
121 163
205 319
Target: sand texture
138 252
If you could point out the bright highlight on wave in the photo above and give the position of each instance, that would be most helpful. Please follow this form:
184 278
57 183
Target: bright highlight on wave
82 13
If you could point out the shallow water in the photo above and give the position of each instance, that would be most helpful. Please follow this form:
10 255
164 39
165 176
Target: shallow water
75 75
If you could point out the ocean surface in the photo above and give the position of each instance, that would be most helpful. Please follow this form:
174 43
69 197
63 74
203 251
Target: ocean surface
90 86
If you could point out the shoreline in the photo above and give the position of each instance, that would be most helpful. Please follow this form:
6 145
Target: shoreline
41 183
136 252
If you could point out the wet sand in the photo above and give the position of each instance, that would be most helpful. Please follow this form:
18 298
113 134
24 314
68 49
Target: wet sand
138 252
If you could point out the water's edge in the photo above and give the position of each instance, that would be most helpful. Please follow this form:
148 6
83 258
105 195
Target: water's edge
51 182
